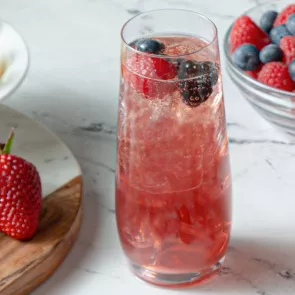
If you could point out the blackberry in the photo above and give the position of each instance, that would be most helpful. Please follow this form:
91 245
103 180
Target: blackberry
197 80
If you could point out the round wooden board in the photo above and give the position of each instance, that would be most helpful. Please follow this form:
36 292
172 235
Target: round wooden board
25 265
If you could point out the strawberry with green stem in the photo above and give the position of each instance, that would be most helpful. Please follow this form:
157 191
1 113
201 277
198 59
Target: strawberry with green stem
20 194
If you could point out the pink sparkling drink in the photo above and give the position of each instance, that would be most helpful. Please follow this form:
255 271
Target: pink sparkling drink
173 184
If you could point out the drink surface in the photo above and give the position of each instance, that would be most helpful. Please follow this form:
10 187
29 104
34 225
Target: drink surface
173 186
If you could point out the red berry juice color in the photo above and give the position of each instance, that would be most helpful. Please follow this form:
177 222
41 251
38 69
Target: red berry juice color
173 185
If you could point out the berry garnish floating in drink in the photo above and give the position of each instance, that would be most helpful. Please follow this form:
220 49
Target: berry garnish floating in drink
197 79
147 75
157 77
20 194
150 46
252 51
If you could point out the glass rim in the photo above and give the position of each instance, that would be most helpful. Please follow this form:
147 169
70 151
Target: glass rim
169 56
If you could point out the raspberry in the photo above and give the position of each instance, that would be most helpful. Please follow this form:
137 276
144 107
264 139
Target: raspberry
287 45
284 14
275 74
244 31
148 75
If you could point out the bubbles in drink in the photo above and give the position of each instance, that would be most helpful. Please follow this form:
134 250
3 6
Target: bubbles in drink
173 176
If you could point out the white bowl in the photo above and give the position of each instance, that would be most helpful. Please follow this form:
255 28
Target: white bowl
14 54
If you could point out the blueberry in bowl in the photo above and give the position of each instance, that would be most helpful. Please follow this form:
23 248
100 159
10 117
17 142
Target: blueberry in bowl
246 57
291 69
260 59
269 53
267 20
290 24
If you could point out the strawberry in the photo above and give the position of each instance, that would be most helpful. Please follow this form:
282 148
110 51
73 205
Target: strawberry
275 74
287 45
284 14
20 195
244 30
148 75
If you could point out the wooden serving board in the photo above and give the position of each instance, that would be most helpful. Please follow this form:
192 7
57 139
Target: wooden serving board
25 265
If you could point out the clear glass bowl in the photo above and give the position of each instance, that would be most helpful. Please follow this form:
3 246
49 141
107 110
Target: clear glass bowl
276 106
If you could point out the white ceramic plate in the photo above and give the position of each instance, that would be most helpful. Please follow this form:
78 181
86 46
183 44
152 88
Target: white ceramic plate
15 55
52 158
61 213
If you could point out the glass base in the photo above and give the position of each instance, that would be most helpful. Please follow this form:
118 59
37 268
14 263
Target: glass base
175 280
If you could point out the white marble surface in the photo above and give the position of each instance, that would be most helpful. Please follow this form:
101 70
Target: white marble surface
72 87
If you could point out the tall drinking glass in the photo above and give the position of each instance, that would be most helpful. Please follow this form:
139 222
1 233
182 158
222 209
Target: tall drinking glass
173 182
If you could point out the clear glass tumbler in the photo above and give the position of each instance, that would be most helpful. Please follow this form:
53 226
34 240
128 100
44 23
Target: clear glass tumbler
173 182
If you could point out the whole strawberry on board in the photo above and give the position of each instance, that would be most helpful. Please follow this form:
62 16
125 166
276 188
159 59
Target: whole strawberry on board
20 194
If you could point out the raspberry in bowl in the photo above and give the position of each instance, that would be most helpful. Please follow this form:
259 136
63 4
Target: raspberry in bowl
260 59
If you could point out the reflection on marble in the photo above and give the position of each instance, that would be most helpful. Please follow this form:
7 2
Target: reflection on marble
72 87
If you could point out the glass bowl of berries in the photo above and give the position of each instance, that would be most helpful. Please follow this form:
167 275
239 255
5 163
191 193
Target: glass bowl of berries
260 59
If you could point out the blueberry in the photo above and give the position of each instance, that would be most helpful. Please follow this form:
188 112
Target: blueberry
203 74
277 33
246 57
292 69
133 43
290 24
270 53
267 19
150 46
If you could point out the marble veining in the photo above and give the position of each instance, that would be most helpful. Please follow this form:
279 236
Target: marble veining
72 87
99 127
258 141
